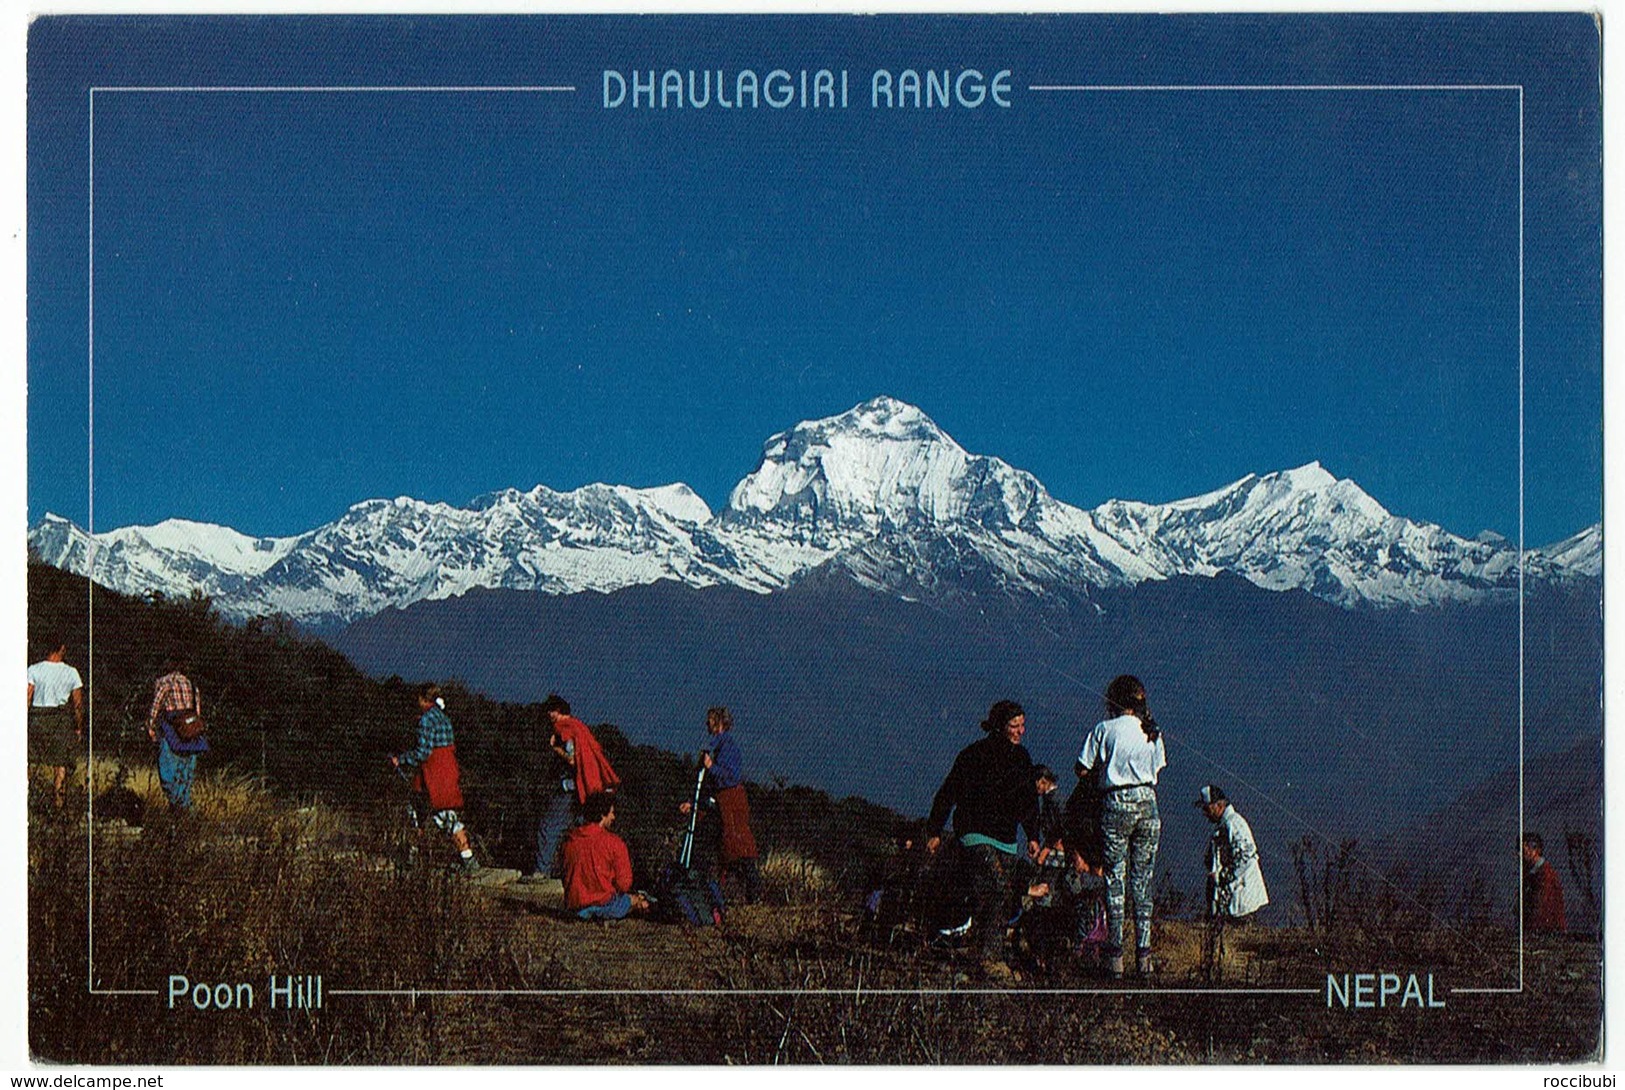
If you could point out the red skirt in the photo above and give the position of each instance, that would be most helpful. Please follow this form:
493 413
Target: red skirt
737 841
440 779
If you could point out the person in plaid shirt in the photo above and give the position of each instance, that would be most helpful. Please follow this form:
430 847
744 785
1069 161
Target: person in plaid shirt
177 758
437 775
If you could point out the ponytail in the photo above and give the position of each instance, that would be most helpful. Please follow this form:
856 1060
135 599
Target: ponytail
1126 696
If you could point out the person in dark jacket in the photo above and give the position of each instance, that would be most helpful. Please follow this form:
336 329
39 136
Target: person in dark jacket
1051 830
991 792
1048 864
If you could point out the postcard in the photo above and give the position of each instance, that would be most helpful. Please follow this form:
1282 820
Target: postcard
863 539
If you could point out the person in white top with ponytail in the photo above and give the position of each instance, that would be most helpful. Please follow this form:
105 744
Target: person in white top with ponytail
1125 752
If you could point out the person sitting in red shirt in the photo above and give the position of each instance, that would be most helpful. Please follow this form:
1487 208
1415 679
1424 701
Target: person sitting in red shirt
597 866
1542 891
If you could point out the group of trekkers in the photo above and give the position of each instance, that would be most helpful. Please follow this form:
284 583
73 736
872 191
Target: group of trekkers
1020 853
575 845
56 724
1073 877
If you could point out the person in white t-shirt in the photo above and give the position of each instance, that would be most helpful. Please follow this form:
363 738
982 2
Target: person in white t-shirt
1124 753
56 717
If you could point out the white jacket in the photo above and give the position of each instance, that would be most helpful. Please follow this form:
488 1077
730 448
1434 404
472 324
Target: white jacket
1235 882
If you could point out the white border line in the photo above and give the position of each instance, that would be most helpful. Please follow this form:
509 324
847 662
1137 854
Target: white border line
428 89
90 564
1521 827
1062 88
1115 87
438 992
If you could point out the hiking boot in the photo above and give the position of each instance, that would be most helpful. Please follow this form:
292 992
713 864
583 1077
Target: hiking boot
957 930
1114 966
1144 965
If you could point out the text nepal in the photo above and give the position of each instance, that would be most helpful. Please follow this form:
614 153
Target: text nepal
824 89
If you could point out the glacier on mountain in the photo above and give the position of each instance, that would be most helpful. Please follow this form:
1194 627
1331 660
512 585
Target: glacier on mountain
878 494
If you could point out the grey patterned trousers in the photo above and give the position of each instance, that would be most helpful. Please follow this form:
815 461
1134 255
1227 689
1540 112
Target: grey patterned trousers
1132 827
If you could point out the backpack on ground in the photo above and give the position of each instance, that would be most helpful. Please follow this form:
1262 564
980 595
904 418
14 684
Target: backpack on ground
689 896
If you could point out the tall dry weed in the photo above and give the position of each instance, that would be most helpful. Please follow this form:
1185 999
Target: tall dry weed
790 878
239 890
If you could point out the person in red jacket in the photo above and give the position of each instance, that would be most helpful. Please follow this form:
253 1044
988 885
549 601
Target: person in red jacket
597 866
1542 891
579 770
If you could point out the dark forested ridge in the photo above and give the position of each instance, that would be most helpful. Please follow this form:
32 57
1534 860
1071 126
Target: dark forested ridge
290 709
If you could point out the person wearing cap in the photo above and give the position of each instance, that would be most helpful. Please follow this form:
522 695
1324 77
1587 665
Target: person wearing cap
432 769
1235 882
579 771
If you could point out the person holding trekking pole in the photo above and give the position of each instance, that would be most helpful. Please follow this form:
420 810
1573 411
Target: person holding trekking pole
1125 753
438 776
1235 882
725 793
991 791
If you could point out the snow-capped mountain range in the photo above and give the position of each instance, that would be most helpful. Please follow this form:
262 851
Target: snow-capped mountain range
878 494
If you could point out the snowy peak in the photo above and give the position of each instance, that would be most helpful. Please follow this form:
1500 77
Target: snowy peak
175 553
672 501
1306 478
677 501
1310 490
879 466
1580 555
884 418
1307 529
201 542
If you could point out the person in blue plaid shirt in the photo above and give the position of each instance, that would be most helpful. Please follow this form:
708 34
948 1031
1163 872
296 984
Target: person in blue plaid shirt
437 775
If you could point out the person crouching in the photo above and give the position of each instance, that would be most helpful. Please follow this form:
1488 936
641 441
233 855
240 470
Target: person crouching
598 867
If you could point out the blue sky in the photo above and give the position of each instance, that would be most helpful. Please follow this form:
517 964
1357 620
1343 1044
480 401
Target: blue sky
1140 294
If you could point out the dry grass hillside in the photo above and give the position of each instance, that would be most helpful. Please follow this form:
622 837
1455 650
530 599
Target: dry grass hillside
251 885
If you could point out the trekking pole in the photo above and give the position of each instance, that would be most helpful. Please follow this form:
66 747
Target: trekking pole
686 856
405 779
